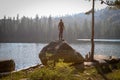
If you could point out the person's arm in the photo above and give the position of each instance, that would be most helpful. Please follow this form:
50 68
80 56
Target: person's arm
58 26
63 26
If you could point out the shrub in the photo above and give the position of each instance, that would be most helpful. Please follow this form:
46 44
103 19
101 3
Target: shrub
61 71
118 65
115 75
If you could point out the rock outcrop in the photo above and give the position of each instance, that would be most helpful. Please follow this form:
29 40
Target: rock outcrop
56 50
7 66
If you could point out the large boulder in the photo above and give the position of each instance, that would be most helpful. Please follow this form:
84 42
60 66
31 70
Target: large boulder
56 50
7 66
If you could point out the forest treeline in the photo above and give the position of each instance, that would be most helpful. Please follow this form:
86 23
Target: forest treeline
45 29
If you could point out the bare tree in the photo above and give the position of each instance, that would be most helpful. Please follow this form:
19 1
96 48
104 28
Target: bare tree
107 2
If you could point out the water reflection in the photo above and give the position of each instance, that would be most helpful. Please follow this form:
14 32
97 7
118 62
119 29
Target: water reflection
26 54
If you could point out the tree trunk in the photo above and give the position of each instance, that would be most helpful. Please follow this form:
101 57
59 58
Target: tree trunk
92 35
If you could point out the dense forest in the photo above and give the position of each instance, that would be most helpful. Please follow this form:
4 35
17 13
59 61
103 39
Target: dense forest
45 29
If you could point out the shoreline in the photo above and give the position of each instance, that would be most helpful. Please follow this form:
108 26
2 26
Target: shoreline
25 69
89 65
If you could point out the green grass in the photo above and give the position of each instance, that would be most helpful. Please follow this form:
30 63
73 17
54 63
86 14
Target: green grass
15 76
115 75
62 71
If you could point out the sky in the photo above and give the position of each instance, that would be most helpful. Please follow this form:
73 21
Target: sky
30 8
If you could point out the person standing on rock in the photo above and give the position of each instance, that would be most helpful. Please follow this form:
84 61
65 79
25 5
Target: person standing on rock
61 28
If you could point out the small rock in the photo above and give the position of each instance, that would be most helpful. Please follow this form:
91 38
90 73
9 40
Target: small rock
89 64
24 79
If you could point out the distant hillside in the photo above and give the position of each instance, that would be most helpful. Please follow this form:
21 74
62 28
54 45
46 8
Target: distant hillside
109 20
107 23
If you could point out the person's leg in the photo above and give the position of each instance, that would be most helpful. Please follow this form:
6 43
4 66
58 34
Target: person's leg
59 35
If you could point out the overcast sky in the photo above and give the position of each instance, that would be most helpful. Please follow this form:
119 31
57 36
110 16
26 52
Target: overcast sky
44 7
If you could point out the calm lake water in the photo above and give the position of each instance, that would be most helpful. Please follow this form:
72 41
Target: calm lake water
26 54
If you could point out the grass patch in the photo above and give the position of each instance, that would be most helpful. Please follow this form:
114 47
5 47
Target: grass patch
62 71
15 76
90 74
115 75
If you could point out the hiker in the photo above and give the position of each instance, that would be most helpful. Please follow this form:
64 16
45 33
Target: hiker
61 28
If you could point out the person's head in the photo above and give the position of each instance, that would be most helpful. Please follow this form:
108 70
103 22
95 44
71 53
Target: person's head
60 20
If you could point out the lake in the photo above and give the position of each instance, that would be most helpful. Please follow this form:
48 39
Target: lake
26 54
